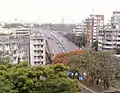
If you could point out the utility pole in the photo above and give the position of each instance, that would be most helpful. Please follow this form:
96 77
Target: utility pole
62 20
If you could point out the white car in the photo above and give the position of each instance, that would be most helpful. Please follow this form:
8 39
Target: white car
60 46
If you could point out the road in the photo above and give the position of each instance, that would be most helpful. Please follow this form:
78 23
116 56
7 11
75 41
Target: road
58 43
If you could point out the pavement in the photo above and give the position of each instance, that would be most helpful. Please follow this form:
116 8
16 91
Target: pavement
85 89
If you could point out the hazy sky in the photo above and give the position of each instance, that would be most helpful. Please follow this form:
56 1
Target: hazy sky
55 10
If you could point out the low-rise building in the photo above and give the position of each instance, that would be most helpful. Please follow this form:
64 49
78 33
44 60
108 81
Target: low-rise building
14 47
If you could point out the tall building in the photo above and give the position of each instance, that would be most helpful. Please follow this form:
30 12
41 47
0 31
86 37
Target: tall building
37 49
109 37
115 19
92 25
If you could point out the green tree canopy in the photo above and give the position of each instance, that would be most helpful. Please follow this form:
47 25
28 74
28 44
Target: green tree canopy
22 78
97 65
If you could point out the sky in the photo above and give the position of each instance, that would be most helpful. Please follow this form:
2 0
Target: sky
53 11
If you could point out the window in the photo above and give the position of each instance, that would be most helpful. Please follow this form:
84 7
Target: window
41 51
108 44
35 51
41 46
38 51
35 62
14 58
35 46
14 51
38 46
108 40
118 35
34 40
38 57
7 52
41 57
41 40
35 57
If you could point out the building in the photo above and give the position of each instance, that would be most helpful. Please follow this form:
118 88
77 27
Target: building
37 48
78 30
20 31
14 47
110 39
92 25
115 19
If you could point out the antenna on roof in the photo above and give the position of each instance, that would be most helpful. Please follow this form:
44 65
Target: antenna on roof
92 11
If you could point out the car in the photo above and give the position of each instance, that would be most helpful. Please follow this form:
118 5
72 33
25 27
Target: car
49 38
60 46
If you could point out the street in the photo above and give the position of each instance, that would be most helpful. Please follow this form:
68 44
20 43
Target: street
58 43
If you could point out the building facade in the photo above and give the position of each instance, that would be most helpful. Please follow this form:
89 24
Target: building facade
37 48
115 19
78 30
14 47
92 25
110 39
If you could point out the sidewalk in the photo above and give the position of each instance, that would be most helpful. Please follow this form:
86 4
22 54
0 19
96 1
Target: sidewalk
91 90
96 89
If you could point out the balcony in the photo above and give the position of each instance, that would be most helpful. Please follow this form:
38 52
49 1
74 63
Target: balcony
100 45
109 42
118 43
110 47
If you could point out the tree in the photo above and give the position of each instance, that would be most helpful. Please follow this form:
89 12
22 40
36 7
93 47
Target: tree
97 65
103 66
22 78
78 40
118 51
95 46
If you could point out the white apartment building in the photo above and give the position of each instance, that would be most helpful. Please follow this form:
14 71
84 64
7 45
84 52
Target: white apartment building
115 19
37 49
110 39
20 31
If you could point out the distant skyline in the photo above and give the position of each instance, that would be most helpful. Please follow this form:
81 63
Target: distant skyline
53 11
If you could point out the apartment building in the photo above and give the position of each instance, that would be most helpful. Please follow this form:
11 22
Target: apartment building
92 25
14 47
37 48
78 30
110 39
20 31
115 19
